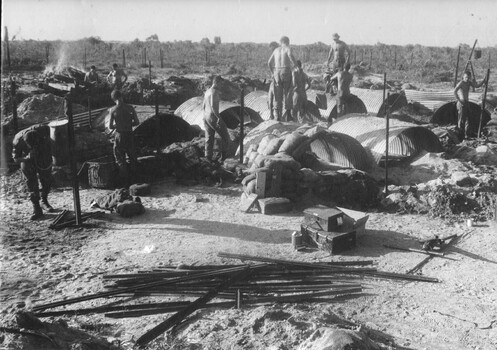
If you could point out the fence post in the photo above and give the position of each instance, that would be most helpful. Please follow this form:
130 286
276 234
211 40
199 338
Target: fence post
150 72
6 38
14 103
371 59
124 59
242 119
395 60
161 59
47 52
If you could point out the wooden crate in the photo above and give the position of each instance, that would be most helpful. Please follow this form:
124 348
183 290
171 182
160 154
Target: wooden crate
325 218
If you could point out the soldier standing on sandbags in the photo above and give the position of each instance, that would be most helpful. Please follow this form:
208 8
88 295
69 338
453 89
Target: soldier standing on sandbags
213 122
281 64
301 84
344 79
122 119
336 56
31 149
461 92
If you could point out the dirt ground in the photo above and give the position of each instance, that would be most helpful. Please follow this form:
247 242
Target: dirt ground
192 224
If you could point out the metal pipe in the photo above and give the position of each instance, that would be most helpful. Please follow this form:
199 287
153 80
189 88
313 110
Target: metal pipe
225 272
387 136
483 102
456 74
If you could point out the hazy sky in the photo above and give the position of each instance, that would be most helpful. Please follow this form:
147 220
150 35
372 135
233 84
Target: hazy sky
425 22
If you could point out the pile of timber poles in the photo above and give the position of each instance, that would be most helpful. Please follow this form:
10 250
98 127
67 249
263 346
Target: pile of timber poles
268 281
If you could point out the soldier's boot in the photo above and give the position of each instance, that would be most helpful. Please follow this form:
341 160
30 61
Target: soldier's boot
37 211
46 206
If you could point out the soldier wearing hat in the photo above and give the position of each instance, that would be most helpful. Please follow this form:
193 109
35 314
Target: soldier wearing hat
337 52
31 149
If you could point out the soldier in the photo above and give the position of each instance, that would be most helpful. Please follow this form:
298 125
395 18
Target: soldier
336 56
281 64
461 92
301 84
117 77
344 79
122 119
213 122
31 149
91 77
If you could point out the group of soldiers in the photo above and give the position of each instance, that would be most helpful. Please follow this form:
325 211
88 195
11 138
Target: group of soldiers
289 82
32 146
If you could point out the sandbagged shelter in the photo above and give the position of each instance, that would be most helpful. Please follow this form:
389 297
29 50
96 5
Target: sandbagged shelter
406 140
258 100
333 150
191 111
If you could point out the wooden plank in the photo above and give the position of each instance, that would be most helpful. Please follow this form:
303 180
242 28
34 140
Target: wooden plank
260 184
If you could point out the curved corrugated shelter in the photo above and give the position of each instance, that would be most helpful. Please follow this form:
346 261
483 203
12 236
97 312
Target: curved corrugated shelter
447 115
405 139
191 111
354 105
342 149
435 99
373 100
258 101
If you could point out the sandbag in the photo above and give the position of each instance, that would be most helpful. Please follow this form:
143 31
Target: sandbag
111 200
248 178
291 142
141 189
272 147
264 142
130 208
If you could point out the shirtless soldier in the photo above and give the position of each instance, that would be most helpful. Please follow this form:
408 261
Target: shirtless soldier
461 92
337 53
213 122
117 77
301 84
344 78
281 64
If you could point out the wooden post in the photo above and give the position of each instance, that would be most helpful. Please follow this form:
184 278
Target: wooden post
483 102
412 57
47 52
362 58
161 59
14 103
7 49
371 59
457 66
395 59
145 56
242 118
355 56
150 72
470 56
124 59
84 59
74 176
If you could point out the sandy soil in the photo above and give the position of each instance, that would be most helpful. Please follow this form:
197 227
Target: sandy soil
191 225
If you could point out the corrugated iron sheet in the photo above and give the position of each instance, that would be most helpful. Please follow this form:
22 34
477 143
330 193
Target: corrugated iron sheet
405 139
435 99
341 149
191 111
258 101
373 100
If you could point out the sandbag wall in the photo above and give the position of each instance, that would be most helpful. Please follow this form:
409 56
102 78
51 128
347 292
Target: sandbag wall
291 164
